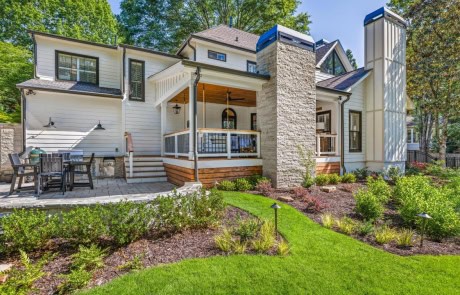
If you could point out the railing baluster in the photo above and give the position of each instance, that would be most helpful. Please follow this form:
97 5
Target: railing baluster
229 145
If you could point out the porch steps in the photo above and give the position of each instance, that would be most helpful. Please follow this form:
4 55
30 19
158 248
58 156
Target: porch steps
145 169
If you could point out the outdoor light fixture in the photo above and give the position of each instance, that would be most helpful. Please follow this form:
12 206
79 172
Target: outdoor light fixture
275 207
425 218
50 124
176 109
99 126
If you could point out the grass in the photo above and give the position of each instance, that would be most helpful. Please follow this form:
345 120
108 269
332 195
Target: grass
321 261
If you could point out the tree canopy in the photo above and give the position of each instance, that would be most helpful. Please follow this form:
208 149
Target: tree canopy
90 20
163 25
352 59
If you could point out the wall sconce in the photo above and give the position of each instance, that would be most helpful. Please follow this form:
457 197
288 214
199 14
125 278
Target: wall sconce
50 124
99 126
176 109
30 92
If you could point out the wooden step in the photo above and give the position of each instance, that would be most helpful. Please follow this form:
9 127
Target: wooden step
148 174
144 164
146 179
146 168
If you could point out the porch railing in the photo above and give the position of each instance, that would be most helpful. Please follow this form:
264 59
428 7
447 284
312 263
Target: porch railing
215 143
326 145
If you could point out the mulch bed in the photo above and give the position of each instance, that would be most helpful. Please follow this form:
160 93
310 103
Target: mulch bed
154 250
341 203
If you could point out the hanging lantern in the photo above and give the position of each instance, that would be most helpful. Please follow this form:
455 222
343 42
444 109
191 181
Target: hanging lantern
176 109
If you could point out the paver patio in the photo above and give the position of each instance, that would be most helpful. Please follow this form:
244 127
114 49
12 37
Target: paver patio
105 191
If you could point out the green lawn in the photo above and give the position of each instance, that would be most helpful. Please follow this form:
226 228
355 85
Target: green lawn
321 262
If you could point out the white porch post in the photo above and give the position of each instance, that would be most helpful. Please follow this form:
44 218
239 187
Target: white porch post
163 113
339 133
191 122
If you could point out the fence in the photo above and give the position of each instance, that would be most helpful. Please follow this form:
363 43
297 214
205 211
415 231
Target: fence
419 156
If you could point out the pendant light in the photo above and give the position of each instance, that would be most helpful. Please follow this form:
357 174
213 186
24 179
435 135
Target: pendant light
99 126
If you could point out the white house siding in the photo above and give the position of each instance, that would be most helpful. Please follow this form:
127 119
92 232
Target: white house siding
213 116
75 117
142 119
320 76
109 59
356 103
236 59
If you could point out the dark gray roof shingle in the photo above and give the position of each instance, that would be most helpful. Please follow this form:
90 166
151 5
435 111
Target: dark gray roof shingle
69 86
345 81
227 35
323 50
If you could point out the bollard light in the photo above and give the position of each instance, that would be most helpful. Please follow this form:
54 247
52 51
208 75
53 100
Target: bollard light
424 216
275 207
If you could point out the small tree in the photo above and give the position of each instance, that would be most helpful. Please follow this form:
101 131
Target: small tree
308 164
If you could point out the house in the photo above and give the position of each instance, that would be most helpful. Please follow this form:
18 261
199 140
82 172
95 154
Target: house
228 104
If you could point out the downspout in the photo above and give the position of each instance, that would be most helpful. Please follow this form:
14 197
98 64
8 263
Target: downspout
342 133
193 48
195 121
123 78
35 55
23 119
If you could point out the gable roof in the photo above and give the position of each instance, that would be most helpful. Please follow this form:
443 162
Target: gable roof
345 81
323 50
70 87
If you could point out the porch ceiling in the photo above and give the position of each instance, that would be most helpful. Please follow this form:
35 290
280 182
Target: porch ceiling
218 94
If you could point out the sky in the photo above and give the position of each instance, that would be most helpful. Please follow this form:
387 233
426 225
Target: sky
331 20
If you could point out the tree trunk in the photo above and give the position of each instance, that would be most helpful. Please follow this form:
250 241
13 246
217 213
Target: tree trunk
442 139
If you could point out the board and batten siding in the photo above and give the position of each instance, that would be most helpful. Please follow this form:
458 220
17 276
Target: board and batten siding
141 118
75 117
354 160
109 59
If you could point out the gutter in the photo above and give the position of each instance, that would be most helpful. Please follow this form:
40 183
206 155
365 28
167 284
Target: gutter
195 121
35 54
124 74
225 70
342 133
23 119
71 91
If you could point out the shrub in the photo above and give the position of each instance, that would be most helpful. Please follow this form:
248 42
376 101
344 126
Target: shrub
346 225
327 220
88 258
393 173
384 234
415 194
266 239
308 164
255 179
83 225
224 241
313 205
307 183
404 238
242 184
379 188
283 248
27 229
204 208
265 188
133 264
239 247
333 178
76 279
247 228
20 281
348 178
365 228
322 179
361 173
227 185
300 192
368 205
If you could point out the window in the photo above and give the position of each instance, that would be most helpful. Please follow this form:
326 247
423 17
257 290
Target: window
253 121
252 67
228 119
332 65
74 67
217 55
323 121
412 135
136 80
355 131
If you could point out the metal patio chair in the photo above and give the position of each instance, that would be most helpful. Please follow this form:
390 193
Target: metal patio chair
81 168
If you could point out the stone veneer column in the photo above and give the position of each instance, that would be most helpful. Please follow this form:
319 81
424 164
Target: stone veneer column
286 110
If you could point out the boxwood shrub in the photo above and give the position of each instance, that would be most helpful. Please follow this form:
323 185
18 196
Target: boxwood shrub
368 205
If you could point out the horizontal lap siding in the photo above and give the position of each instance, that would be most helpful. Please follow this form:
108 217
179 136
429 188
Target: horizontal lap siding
356 103
75 117
327 168
142 118
109 59
320 76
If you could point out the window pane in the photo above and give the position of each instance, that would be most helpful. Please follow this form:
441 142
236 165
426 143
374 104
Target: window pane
217 55
252 67
339 69
354 125
354 141
327 66
76 68
136 80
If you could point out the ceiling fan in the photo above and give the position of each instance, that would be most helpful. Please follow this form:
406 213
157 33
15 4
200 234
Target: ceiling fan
229 98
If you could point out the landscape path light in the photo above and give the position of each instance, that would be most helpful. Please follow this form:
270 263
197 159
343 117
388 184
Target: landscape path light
275 207
425 217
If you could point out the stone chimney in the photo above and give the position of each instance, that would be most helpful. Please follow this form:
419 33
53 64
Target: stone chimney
286 106
385 54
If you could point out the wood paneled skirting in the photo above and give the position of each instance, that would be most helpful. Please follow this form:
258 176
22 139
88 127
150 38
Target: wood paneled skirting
208 176
328 168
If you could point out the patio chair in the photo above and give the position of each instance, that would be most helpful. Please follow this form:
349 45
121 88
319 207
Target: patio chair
81 168
21 170
52 167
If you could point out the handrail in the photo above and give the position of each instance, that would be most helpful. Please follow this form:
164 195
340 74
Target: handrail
332 143
130 150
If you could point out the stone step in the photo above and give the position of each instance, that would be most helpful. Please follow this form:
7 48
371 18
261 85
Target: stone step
146 168
148 174
146 179
145 159
144 164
